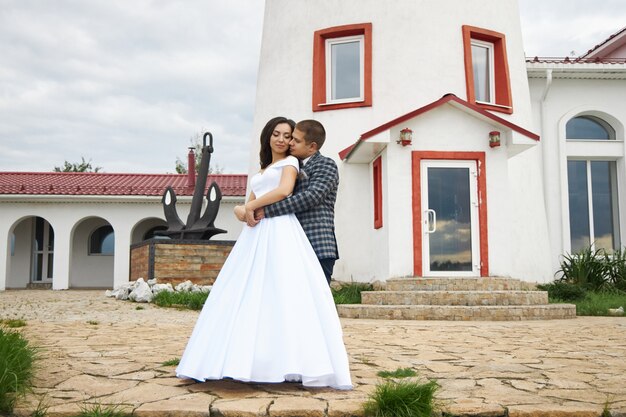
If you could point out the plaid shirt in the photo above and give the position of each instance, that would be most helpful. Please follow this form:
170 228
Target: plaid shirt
313 202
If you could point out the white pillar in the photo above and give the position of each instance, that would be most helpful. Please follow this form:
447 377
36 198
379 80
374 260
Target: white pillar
4 255
62 255
121 263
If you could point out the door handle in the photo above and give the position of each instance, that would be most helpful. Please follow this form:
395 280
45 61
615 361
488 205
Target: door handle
429 213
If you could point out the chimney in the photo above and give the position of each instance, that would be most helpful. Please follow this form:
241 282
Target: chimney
191 168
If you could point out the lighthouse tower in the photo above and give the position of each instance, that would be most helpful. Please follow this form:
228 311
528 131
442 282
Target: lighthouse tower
428 115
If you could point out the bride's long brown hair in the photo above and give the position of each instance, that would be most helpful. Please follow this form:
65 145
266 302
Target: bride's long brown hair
265 155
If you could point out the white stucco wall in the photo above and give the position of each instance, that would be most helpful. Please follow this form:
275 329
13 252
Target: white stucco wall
417 57
71 219
564 100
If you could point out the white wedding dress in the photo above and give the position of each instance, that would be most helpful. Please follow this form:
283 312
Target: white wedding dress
270 316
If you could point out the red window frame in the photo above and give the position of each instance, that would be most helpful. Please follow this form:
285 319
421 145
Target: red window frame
378 192
503 98
319 65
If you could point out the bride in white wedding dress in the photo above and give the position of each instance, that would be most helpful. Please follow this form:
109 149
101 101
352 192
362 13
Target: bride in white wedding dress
270 316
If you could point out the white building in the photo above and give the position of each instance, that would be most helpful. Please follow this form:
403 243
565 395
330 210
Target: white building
74 230
448 203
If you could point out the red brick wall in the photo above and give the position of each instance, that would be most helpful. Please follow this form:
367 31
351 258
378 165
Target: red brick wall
177 262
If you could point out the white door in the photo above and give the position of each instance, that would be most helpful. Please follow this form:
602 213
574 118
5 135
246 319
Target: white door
450 235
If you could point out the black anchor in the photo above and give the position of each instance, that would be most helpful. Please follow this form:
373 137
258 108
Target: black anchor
196 228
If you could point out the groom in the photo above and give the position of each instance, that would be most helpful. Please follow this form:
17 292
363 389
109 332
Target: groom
313 199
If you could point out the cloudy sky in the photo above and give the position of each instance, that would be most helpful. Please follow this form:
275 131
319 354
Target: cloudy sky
127 84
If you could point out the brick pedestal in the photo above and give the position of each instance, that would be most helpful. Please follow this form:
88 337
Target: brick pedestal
175 261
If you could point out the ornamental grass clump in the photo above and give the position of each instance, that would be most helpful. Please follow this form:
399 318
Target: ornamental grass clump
587 269
616 269
17 357
404 398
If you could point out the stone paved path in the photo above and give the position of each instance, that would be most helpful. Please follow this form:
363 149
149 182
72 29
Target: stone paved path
101 350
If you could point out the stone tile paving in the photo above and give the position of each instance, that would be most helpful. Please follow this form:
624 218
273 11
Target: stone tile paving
101 350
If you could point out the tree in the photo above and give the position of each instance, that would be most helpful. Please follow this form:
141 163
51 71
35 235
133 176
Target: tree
196 142
83 166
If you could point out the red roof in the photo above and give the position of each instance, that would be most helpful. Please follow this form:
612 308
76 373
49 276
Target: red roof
593 51
568 60
443 100
88 183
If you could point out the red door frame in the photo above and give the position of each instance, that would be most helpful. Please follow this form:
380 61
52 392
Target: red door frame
479 157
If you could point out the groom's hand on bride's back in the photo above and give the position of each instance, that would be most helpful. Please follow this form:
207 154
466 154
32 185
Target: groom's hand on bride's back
259 214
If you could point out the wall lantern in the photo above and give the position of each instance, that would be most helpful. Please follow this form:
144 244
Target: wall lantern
406 137
494 138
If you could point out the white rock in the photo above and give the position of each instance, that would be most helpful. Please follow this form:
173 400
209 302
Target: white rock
206 288
109 293
141 293
152 282
616 311
157 288
185 286
122 292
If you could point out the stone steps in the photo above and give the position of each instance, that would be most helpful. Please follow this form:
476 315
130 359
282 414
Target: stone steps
456 284
465 313
455 298
490 298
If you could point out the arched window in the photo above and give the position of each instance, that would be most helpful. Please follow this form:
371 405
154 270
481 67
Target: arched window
589 128
102 241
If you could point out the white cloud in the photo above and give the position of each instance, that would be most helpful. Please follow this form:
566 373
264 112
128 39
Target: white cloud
128 83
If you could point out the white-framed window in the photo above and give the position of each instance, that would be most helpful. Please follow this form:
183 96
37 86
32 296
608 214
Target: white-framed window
483 71
593 204
588 127
345 69
102 241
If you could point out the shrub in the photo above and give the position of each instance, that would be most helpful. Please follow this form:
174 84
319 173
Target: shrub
402 399
350 293
17 358
587 268
190 300
563 291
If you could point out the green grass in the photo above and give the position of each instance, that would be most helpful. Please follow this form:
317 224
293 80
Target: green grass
588 302
171 362
13 323
100 410
398 373
597 303
188 300
404 398
350 293
17 358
